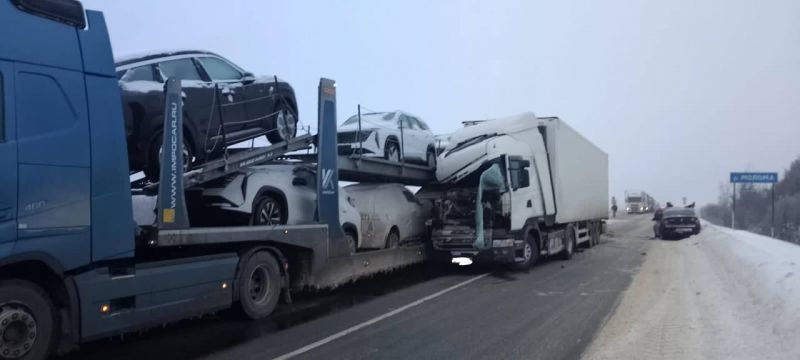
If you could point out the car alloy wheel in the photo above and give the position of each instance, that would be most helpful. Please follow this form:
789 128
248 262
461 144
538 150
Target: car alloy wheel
392 152
286 125
187 156
268 212
431 159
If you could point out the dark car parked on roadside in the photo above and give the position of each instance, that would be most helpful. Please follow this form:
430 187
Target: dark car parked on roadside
223 105
676 223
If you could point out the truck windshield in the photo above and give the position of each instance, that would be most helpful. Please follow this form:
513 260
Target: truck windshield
469 142
634 199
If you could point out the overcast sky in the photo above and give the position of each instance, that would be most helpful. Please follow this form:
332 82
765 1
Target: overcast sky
678 93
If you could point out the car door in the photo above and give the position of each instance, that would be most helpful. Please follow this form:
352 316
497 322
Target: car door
425 134
409 139
8 160
412 217
525 192
239 125
199 97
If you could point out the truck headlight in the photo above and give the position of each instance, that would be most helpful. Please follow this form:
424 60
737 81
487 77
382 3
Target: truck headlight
503 243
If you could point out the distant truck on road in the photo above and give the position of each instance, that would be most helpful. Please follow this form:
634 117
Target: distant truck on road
639 202
514 189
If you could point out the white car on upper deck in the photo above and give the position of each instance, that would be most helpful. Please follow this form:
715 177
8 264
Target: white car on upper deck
383 134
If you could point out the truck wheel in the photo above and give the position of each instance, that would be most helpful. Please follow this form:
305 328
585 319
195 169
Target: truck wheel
28 322
569 243
529 255
594 234
259 282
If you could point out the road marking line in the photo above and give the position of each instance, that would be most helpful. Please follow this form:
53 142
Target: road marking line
374 320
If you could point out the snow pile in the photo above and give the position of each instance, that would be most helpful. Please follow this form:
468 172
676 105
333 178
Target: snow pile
722 294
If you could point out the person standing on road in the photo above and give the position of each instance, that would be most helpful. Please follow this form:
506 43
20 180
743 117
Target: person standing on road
614 206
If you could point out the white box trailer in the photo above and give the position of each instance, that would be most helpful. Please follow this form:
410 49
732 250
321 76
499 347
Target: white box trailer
580 173
515 188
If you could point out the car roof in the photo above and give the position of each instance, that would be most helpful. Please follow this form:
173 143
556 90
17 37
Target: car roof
156 54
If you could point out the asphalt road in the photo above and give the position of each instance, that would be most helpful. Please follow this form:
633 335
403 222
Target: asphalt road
549 312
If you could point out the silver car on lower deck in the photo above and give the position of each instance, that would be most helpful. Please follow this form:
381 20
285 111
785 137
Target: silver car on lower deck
275 194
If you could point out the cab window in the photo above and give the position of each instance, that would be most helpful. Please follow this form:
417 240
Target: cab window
518 171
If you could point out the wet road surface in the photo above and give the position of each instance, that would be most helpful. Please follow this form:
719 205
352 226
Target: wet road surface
551 311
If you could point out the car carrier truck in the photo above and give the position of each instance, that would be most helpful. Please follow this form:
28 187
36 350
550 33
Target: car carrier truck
514 189
74 266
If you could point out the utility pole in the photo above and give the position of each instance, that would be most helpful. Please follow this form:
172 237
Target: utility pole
772 231
733 210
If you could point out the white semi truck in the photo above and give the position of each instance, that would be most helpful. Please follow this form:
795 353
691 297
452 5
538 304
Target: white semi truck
639 202
514 189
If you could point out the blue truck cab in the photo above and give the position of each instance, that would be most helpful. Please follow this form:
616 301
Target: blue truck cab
67 246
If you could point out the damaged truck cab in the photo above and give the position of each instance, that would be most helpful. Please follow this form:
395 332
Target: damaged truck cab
498 193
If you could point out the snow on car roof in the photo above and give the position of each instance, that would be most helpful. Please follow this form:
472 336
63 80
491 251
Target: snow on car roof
152 54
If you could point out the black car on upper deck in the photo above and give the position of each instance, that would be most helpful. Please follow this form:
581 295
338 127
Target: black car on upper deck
675 222
223 105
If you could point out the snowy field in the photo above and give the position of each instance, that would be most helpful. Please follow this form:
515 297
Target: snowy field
723 294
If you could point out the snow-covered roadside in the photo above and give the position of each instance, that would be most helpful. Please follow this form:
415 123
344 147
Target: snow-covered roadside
723 294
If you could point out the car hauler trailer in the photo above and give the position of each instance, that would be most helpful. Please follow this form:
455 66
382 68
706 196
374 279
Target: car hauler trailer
517 188
74 266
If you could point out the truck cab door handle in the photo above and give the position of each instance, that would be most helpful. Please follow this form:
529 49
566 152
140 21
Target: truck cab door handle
529 203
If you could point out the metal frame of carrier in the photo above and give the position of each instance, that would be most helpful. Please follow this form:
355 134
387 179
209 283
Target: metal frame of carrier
332 264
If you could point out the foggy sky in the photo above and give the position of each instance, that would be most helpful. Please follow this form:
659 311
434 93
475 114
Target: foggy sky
678 93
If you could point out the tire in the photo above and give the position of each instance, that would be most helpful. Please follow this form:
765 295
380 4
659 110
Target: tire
530 254
350 239
259 285
391 150
283 126
431 159
393 239
595 234
26 311
152 169
569 245
268 211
